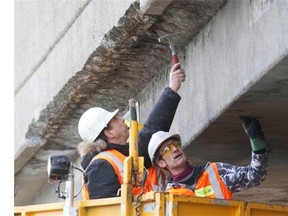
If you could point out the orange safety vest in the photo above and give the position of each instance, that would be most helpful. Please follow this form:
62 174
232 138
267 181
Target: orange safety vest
154 181
208 185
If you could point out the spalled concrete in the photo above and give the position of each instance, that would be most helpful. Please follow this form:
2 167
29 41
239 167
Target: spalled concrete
226 48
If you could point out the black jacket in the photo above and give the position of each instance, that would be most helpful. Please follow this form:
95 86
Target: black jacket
99 176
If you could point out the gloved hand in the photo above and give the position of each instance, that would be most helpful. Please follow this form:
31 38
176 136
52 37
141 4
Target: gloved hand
254 131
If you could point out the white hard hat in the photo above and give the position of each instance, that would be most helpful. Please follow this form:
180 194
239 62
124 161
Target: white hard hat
156 140
93 121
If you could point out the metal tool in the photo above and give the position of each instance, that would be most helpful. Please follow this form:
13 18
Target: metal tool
171 45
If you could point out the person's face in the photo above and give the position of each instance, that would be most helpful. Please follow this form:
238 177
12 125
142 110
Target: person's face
172 155
118 132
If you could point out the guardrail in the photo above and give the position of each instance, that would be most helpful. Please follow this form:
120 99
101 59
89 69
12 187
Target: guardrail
159 203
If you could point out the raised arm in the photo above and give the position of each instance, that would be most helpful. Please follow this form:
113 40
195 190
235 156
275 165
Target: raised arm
241 178
163 112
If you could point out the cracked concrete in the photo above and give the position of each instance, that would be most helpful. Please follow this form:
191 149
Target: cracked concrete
128 57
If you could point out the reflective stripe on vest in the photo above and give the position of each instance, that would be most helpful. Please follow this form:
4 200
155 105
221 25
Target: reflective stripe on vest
161 181
116 160
117 163
156 178
214 182
208 185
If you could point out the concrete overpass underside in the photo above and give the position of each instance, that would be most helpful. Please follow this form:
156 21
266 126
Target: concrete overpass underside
124 64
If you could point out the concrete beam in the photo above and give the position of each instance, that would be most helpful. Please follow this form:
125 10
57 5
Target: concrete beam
154 7
222 58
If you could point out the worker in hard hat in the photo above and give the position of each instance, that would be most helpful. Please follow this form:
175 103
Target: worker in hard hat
211 180
105 142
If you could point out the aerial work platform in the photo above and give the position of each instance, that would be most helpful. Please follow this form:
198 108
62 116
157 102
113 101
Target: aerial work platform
159 204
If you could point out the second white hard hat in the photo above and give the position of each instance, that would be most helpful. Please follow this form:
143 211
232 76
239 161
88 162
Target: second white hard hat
156 140
93 121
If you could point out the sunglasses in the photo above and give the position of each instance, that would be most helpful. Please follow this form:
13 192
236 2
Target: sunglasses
169 148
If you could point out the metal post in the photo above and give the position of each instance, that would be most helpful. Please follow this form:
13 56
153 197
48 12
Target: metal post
133 138
69 210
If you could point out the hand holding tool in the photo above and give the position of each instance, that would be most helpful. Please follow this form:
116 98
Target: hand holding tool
171 45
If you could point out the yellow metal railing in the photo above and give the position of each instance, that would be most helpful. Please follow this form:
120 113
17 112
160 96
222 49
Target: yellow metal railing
159 204
53 209
197 206
261 209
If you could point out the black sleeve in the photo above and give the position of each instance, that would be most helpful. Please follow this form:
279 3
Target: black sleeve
160 118
101 172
